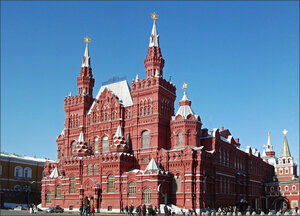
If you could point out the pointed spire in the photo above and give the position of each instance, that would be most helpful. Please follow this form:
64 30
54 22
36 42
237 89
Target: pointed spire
70 95
152 166
55 173
119 132
154 38
86 57
137 77
269 146
81 137
285 152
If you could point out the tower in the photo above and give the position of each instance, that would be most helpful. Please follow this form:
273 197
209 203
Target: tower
185 125
286 169
76 107
153 99
269 147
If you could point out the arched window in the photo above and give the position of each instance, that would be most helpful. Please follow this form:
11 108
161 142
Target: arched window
146 111
150 110
89 169
72 185
58 191
147 196
60 153
105 144
280 171
286 188
18 171
96 144
142 111
95 169
145 139
111 183
0 170
179 139
73 146
132 188
27 172
48 197
286 170
178 183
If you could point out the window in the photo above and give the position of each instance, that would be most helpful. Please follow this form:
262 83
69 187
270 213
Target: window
286 188
18 171
145 139
142 111
111 183
27 172
149 110
89 170
179 139
147 196
294 203
48 197
132 189
72 185
95 169
96 144
73 146
0 170
178 183
280 171
105 144
60 153
294 187
272 188
286 170
58 191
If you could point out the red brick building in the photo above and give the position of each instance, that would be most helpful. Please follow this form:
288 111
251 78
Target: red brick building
283 191
128 146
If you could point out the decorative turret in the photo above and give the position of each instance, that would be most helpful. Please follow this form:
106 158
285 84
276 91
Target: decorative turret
119 144
154 61
85 81
81 148
188 121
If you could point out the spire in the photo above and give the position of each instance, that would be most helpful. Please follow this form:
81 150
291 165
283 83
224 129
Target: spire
119 132
184 87
152 166
154 42
137 77
285 152
269 144
154 61
86 57
81 137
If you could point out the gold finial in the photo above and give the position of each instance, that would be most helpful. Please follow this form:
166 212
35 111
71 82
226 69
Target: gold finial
184 86
87 40
269 133
154 16
284 132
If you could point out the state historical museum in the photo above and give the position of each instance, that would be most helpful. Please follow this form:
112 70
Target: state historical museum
128 146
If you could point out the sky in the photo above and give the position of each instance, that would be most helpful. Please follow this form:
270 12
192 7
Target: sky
239 59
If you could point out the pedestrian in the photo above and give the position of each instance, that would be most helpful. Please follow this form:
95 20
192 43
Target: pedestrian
131 210
144 210
126 210
150 210
166 210
81 209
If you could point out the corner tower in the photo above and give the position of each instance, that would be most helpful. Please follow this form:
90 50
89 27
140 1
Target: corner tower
153 99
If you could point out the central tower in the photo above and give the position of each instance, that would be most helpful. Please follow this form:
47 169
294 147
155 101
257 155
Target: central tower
153 99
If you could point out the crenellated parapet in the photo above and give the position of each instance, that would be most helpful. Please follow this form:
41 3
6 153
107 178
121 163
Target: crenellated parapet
151 81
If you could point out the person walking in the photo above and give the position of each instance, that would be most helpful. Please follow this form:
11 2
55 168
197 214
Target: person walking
131 210
126 210
166 210
144 211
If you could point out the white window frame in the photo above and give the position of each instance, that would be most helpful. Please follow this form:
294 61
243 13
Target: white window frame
18 171
29 172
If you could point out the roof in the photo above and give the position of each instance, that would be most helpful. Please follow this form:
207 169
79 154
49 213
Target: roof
119 132
152 166
154 42
81 137
86 57
285 152
27 159
55 173
120 89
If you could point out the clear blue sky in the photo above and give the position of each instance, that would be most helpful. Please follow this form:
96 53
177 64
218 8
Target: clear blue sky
240 60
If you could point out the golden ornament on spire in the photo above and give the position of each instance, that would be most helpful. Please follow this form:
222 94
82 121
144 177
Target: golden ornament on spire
87 40
269 133
154 16
184 86
284 132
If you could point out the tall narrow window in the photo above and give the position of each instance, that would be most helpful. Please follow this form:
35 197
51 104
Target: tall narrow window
89 170
48 197
147 196
146 111
111 183
179 139
178 183
145 139
149 110
96 144
95 169
73 147
105 144
142 111
18 171
27 172
132 189
58 191
72 185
